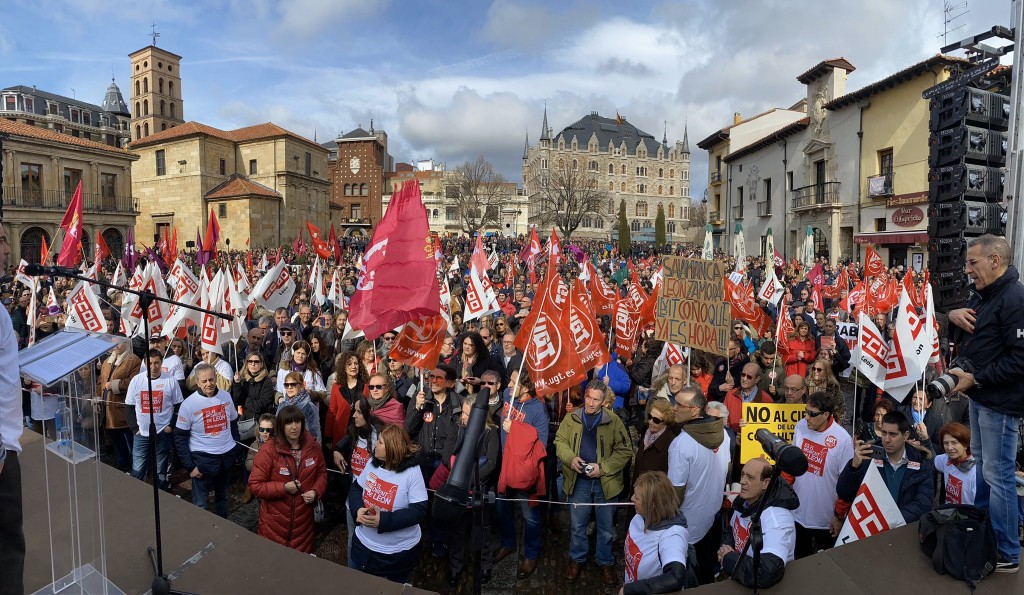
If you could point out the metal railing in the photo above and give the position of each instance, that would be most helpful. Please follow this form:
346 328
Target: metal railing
881 185
816 195
715 178
737 212
59 200
764 208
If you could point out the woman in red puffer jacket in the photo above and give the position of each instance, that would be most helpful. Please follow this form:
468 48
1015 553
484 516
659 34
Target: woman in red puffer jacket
289 476
801 349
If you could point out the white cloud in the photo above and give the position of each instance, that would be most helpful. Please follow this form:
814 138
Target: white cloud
303 19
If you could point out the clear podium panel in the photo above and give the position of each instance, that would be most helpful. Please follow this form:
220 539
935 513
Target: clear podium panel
71 443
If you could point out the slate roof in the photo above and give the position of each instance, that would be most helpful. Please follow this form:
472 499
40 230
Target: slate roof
237 186
609 129
38 132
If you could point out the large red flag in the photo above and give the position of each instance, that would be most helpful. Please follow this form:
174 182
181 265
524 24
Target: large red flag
398 279
744 306
102 250
319 245
602 296
586 336
172 246
71 249
627 327
551 356
479 259
873 265
212 234
332 239
532 248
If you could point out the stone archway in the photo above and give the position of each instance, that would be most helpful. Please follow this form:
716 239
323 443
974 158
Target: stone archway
32 243
115 241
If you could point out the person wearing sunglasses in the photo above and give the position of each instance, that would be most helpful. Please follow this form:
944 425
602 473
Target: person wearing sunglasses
264 432
252 393
747 392
820 378
652 452
295 394
288 476
381 395
828 447
299 361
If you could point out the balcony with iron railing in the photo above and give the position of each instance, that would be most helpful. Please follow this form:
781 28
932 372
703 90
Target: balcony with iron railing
715 179
737 212
715 219
881 185
764 208
825 194
58 200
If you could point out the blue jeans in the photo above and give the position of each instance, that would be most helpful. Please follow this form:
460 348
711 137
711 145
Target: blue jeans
994 446
140 457
531 520
216 479
589 490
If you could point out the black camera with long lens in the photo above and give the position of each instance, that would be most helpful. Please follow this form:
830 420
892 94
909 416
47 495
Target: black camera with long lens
941 386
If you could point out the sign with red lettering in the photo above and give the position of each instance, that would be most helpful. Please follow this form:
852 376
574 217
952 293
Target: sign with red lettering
379 494
816 455
954 490
740 534
360 456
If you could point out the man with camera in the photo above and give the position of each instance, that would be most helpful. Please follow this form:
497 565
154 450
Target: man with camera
989 369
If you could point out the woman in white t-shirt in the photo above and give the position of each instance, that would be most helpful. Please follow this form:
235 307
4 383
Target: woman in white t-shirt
388 500
656 544
353 451
956 468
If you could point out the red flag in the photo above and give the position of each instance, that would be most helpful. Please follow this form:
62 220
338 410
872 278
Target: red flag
816 276
602 296
532 248
814 302
479 258
248 262
212 234
319 245
784 331
586 336
419 344
873 265
332 239
744 307
627 326
398 280
102 250
908 284
841 283
70 250
554 251
541 299
172 247
854 299
550 355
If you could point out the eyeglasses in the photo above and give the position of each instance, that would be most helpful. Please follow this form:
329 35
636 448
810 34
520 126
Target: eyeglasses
265 430
656 420
814 413
975 261
750 376
254 361
291 384
438 377
793 389
486 383
284 333
392 338
375 386
817 369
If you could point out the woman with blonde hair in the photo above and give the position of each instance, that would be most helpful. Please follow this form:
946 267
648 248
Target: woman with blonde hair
652 452
820 378
656 542
388 500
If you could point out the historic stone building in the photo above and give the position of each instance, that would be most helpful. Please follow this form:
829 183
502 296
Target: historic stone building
629 165
41 169
262 182
357 165
156 97
106 123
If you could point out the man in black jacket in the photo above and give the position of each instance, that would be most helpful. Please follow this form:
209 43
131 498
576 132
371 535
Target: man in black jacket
991 336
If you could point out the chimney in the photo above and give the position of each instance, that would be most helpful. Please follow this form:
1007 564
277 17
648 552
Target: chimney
736 118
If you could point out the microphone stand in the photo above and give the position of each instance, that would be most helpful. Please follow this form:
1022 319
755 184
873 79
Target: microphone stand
161 583
756 539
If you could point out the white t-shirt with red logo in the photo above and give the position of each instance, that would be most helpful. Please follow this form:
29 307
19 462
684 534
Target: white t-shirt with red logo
827 453
647 552
209 421
776 526
702 471
390 491
166 394
961 487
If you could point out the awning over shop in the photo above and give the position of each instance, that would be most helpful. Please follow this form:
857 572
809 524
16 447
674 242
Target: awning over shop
891 237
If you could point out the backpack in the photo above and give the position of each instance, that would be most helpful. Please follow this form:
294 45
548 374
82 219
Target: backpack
960 542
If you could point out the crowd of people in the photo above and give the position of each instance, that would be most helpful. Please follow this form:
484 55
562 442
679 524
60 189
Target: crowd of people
297 397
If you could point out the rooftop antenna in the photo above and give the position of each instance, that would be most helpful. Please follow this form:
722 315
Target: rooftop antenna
948 8
154 34
73 96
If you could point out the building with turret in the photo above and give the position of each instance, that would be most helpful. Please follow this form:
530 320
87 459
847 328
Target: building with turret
628 165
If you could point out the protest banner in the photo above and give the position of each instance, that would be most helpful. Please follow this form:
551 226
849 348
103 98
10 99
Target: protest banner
778 418
691 310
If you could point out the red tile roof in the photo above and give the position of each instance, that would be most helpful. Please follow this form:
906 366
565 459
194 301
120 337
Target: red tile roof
37 132
240 135
238 186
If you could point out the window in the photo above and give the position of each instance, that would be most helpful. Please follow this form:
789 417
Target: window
162 107
174 111
363 190
163 126
575 164
87 118
32 180
671 173
138 109
671 190
52 109
659 190
641 188
671 211
718 164
593 166
71 179
880 224
739 195
641 209
611 168
622 187
561 164
623 168
435 213
768 190
789 180
137 90
145 107
611 185
170 91
138 132
161 163
223 166
451 213
543 163
611 206
222 210
309 164
348 190
357 211
885 162
10 103
145 85
252 167
160 85
108 185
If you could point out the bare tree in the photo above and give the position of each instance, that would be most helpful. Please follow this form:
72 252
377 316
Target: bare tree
570 194
698 214
479 192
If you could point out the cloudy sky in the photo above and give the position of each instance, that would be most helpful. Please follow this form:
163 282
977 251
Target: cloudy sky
454 79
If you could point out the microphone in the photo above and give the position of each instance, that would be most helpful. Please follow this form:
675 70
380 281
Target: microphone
789 458
453 497
36 270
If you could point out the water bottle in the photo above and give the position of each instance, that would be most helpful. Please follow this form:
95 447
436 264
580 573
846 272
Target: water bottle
63 420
